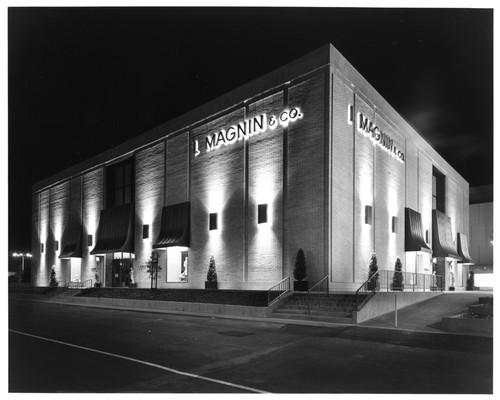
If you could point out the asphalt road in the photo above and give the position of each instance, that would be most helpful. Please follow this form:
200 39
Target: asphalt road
63 348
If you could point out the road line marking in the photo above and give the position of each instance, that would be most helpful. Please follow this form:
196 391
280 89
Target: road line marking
175 371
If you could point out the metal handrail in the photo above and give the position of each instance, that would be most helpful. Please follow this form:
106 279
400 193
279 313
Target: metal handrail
319 291
276 292
373 289
412 281
80 285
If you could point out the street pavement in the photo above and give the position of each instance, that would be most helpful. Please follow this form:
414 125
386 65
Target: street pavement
70 349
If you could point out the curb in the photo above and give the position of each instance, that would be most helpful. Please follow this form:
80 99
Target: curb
282 321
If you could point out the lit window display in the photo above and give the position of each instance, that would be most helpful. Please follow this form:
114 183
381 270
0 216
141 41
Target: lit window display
177 264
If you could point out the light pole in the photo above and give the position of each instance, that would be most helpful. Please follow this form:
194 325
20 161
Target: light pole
23 255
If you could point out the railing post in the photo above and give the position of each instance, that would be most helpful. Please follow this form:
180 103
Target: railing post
396 309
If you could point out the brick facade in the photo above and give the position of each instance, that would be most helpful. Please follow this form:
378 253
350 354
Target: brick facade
316 174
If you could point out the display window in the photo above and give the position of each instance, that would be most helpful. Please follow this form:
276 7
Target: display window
177 264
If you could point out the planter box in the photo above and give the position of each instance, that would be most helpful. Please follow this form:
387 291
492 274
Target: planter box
481 309
399 288
300 286
210 285
478 326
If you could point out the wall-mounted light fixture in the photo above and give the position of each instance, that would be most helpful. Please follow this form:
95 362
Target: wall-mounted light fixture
350 114
145 231
427 236
56 245
395 224
262 214
212 222
368 215
89 240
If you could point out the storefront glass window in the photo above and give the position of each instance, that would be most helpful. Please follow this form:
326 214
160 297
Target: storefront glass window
177 264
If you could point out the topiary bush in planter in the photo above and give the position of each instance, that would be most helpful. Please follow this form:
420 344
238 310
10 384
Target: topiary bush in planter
397 280
211 282
53 282
373 283
299 273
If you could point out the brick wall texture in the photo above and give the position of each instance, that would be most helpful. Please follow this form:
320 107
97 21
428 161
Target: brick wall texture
93 200
59 215
149 193
265 186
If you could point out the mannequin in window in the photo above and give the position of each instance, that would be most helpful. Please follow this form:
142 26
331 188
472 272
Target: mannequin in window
183 275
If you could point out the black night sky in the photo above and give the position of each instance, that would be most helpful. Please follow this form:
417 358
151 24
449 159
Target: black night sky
82 80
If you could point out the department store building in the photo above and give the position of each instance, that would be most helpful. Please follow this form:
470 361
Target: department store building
308 156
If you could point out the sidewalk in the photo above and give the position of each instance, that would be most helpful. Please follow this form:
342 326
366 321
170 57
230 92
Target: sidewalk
426 316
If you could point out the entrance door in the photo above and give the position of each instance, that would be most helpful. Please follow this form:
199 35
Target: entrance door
121 272
75 269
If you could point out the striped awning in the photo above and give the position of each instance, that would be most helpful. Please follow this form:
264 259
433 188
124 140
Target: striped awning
463 249
115 233
71 241
175 226
442 238
414 238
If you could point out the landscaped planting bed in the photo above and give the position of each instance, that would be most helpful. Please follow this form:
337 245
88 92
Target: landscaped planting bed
253 298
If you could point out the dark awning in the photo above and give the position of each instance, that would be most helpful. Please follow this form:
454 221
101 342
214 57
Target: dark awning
71 241
442 238
463 249
115 233
175 226
414 238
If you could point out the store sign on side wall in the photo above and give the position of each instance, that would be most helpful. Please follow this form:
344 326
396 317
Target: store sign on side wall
378 137
247 128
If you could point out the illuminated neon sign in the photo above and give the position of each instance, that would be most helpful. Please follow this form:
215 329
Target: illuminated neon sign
378 137
247 128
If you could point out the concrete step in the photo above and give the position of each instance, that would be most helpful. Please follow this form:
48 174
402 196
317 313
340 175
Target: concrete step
323 318
333 308
332 298
317 308
325 307
314 312
323 303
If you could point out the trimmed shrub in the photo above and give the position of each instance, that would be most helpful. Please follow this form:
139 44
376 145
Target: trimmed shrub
211 272
299 271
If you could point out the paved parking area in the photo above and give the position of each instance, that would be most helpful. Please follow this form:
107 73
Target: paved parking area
79 349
